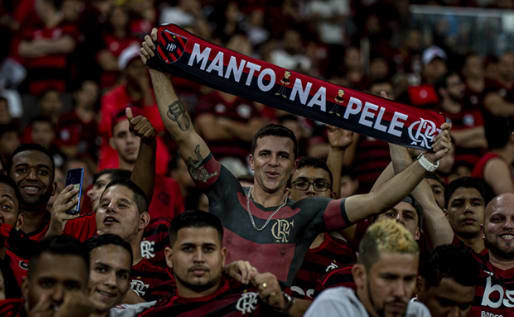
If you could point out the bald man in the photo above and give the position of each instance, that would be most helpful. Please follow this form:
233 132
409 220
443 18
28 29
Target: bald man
494 295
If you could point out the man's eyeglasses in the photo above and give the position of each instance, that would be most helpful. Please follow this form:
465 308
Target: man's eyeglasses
319 185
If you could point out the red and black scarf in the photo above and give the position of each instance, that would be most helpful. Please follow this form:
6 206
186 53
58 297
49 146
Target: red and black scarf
183 54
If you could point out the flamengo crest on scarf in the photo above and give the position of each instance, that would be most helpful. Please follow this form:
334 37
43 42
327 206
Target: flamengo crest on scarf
183 54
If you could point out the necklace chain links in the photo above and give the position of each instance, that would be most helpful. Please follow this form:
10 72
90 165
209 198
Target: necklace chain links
269 218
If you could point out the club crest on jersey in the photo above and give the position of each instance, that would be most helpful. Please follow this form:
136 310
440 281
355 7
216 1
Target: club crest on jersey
147 249
333 265
139 287
281 230
23 265
247 303
171 46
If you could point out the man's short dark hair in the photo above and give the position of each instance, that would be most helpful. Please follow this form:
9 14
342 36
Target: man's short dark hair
140 198
8 127
466 182
58 245
194 219
108 239
419 210
450 261
32 147
43 119
308 161
442 82
275 130
435 177
115 173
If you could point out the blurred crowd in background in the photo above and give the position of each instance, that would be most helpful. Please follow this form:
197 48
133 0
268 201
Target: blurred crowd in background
69 66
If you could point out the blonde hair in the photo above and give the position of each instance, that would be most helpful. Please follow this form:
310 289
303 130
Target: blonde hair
385 236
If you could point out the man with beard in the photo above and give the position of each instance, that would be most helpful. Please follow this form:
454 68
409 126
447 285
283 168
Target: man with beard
385 276
31 166
467 123
196 255
261 223
494 294
466 200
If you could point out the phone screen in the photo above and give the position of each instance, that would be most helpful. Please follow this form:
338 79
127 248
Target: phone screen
76 177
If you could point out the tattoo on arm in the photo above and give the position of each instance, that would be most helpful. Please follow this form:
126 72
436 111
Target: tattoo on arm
178 114
196 169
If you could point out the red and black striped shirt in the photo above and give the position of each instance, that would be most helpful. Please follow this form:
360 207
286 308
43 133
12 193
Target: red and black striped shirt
13 307
230 299
494 294
330 255
151 282
338 277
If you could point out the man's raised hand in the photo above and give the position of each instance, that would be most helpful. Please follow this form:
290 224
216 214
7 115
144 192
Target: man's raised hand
147 50
442 144
140 125
339 137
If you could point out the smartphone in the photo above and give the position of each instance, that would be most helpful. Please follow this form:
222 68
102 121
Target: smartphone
76 178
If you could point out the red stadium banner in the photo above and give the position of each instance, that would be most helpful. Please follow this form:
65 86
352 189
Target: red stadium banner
180 53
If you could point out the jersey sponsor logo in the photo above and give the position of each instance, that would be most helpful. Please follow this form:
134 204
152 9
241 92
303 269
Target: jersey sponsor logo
501 296
488 314
247 303
147 249
139 287
281 230
422 132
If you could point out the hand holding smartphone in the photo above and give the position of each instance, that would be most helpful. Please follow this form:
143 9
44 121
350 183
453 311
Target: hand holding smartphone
75 177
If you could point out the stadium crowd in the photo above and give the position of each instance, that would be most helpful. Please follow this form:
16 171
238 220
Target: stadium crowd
196 202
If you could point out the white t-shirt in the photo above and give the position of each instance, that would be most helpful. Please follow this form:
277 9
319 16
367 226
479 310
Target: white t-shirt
342 301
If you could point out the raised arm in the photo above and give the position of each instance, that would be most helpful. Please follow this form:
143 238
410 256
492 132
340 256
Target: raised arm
339 139
359 207
143 173
435 222
192 147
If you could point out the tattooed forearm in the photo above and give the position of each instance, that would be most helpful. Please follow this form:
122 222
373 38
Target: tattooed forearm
197 171
178 114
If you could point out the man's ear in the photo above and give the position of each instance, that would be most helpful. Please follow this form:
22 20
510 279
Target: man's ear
420 284
54 188
250 160
223 255
25 287
359 275
112 144
19 222
168 254
144 220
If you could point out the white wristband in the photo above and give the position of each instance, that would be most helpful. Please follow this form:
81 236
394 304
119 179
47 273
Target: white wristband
429 166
